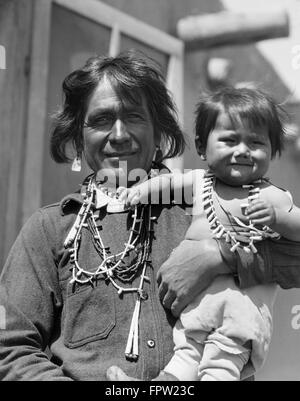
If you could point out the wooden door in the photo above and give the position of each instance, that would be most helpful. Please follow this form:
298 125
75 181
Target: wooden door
66 33
15 36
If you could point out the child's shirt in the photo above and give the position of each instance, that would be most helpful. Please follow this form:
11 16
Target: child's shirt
229 199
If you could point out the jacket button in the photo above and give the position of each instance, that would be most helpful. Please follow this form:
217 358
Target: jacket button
143 295
151 343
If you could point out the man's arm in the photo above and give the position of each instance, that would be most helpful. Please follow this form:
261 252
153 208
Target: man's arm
193 273
277 261
30 300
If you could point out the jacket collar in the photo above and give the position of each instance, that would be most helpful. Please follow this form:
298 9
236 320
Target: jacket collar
75 200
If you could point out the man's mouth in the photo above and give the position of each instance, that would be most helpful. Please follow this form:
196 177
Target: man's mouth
120 154
249 164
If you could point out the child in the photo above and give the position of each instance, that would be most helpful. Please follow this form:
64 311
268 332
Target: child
224 334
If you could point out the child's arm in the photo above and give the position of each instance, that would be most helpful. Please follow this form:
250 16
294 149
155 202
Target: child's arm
151 189
275 215
288 223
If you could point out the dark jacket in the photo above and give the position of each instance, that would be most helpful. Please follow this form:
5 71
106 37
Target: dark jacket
85 327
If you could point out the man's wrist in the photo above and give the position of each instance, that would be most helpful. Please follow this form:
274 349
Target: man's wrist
229 265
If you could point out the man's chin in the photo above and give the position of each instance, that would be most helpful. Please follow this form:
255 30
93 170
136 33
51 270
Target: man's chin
123 173
111 174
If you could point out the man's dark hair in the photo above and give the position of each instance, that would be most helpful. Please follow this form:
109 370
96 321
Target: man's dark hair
244 105
132 75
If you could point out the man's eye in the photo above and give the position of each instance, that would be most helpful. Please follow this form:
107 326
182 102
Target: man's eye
100 121
133 117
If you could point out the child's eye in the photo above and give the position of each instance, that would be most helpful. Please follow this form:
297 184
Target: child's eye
228 140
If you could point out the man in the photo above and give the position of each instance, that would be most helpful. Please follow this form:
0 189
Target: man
81 276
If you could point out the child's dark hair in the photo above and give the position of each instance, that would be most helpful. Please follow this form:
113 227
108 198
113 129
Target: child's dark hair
242 104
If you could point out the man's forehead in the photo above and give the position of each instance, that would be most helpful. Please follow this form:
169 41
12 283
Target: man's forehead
117 106
106 96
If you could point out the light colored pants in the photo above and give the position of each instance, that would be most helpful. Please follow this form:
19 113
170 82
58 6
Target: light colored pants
218 365
207 361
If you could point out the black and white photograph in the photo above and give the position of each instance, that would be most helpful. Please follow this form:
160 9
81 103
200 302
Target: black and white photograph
150 193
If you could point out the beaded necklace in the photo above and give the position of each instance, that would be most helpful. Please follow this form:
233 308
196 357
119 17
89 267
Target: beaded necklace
112 266
249 234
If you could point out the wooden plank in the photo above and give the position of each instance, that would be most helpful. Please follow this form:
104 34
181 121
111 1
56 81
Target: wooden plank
15 32
115 41
229 28
130 26
175 85
37 107
2 58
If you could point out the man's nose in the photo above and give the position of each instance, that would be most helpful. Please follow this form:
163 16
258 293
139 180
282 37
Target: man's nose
242 150
119 132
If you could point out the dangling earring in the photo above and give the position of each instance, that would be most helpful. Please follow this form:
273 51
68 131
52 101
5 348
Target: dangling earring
157 154
203 157
76 165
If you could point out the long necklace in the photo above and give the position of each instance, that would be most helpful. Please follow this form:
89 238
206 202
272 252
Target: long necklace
249 234
113 267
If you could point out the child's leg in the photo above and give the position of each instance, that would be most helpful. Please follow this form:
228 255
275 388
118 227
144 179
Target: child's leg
219 365
187 354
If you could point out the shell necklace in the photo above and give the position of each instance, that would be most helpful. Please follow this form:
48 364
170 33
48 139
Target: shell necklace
113 266
249 234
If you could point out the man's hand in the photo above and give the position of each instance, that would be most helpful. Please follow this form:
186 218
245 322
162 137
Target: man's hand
183 276
261 212
114 373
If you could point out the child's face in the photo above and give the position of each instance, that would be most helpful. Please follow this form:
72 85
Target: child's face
236 154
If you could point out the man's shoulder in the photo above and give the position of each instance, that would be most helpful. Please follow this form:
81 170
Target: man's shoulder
176 213
68 204
54 218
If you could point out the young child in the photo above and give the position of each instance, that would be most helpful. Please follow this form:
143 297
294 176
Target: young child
224 334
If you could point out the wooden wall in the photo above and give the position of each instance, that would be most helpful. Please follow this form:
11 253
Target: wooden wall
16 21
15 33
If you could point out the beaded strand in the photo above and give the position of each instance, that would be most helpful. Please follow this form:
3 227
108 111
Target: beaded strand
251 233
113 267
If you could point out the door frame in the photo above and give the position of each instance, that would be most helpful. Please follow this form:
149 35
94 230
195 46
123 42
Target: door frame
119 23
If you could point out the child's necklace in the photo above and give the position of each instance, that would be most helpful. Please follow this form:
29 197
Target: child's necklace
250 233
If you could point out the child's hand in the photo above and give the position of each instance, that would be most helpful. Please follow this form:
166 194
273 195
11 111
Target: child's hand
135 195
130 196
261 212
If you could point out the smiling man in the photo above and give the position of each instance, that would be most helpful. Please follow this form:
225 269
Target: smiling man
117 131
89 282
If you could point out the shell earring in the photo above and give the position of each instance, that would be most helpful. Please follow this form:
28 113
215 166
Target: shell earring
76 165
157 154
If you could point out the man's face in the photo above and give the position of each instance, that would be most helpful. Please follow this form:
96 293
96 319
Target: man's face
118 136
